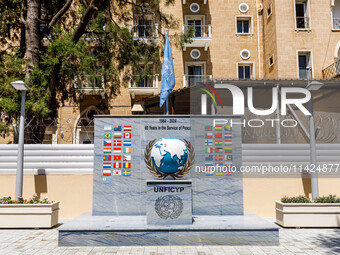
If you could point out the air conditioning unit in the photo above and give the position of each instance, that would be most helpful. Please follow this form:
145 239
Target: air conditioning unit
260 7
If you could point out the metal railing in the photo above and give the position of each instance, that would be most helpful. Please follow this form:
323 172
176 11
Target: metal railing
144 31
332 70
200 31
302 22
192 80
148 81
89 82
336 24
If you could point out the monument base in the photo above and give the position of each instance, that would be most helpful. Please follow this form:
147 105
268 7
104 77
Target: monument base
88 230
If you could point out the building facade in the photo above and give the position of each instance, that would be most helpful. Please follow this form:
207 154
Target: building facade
233 40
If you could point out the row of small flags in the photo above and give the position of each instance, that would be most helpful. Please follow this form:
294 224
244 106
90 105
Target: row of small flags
121 144
218 140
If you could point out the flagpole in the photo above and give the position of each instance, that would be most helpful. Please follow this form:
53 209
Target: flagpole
167 100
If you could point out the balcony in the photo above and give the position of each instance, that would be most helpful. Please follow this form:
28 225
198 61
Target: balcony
302 23
143 86
336 24
192 80
332 71
144 32
89 83
201 38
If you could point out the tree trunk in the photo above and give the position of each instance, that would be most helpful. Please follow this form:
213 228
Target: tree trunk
32 36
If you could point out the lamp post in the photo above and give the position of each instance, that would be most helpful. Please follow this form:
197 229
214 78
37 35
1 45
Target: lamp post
313 86
21 86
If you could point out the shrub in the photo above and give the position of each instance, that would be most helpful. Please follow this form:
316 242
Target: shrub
21 200
299 199
327 199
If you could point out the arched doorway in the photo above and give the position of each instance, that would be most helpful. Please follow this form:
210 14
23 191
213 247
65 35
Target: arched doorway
84 126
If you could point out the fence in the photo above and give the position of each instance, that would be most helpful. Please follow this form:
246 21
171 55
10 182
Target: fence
78 159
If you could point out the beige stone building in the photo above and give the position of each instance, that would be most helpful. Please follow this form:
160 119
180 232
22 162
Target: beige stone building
235 40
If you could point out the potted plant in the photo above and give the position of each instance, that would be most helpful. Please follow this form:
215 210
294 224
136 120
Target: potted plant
31 213
302 212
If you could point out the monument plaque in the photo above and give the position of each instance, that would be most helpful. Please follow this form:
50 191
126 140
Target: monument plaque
169 202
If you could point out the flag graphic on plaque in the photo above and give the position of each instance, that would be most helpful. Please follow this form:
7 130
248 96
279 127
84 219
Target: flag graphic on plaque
208 168
107 143
127 128
228 128
218 142
127 150
219 150
209 150
117 165
107 128
218 128
106 180
209 157
229 157
107 150
117 172
126 165
106 157
117 128
107 135
127 172
126 157
228 142
117 150
127 143
208 142
106 165
228 136
106 172
208 128
208 135
218 135
117 135
228 150
117 143
117 157
218 157
127 135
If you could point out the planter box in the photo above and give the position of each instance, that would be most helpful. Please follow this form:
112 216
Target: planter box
307 214
29 215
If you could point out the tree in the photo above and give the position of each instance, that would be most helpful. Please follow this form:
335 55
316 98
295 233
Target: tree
50 42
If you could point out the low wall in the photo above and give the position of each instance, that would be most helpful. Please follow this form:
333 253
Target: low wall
65 174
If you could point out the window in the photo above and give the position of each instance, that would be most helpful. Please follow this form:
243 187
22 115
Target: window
271 60
269 11
301 12
243 25
336 15
244 72
143 80
304 64
195 73
197 24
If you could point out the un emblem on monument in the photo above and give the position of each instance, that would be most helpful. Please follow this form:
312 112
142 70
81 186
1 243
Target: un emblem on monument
169 156
169 206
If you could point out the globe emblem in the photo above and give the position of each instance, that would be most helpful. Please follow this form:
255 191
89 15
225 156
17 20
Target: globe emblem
169 155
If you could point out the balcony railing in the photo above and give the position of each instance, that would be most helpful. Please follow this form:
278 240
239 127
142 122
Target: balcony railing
201 36
149 32
336 24
192 80
332 71
302 23
204 1
147 81
89 82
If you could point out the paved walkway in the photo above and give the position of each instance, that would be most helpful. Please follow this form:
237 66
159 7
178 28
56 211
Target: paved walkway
292 241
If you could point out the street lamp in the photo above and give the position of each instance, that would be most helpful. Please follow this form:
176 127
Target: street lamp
313 86
20 85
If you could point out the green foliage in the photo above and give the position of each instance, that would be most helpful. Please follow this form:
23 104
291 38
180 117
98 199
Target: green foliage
299 199
34 200
327 199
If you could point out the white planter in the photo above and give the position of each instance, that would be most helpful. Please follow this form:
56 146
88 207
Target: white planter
307 214
29 215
